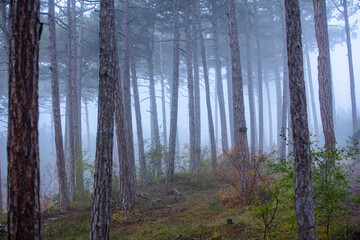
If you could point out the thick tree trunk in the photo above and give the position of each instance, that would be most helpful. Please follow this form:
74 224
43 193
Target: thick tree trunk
240 136
351 67
277 77
260 80
23 137
302 157
250 84
127 99
100 214
324 73
197 112
190 82
60 157
174 100
142 162
207 92
219 86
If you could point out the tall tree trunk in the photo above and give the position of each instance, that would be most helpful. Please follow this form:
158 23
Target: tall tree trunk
229 90
142 162
87 127
175 95
190 81
197 111
324 73
127 99
163 105
266 76
23 136
250 84
240 136
219 86
311 87
207 92
351 67
100 214
302 157
60 157
277 77
285 106
260 79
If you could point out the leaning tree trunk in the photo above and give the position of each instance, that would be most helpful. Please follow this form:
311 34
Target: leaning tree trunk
175 95
219 86
240 136
351 67
324 73
127 99
60 157
190 81
260 80
23 136
301 139
207 92
142 162
250 84
100 214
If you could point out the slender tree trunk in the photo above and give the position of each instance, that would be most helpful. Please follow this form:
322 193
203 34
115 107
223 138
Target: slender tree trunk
100 214
197 111
277 77
219 87
163 105
229 90
312 95
174 100
302 157
190 81
351 67
250 84
60 156
207 91
266 76
87 126
142 162
127 99
260 79
324 73
23 138
240 136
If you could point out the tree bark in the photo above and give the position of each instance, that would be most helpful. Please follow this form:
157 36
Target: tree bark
250 84
142 162
207 92
23 137
268 96
60 157
175 94
87 127
163 105
301 140
324 73
240 136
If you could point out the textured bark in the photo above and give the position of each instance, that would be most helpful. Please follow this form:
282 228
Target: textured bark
351 67
23 138
277 77
127 99
219 85
207 93
301 141
100 214
324 73
190 82
260 80
175 95
268 96
139 130
285 100
250 84
312 95
60 156
240 136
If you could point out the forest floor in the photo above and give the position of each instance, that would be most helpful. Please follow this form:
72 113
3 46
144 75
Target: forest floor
191 208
